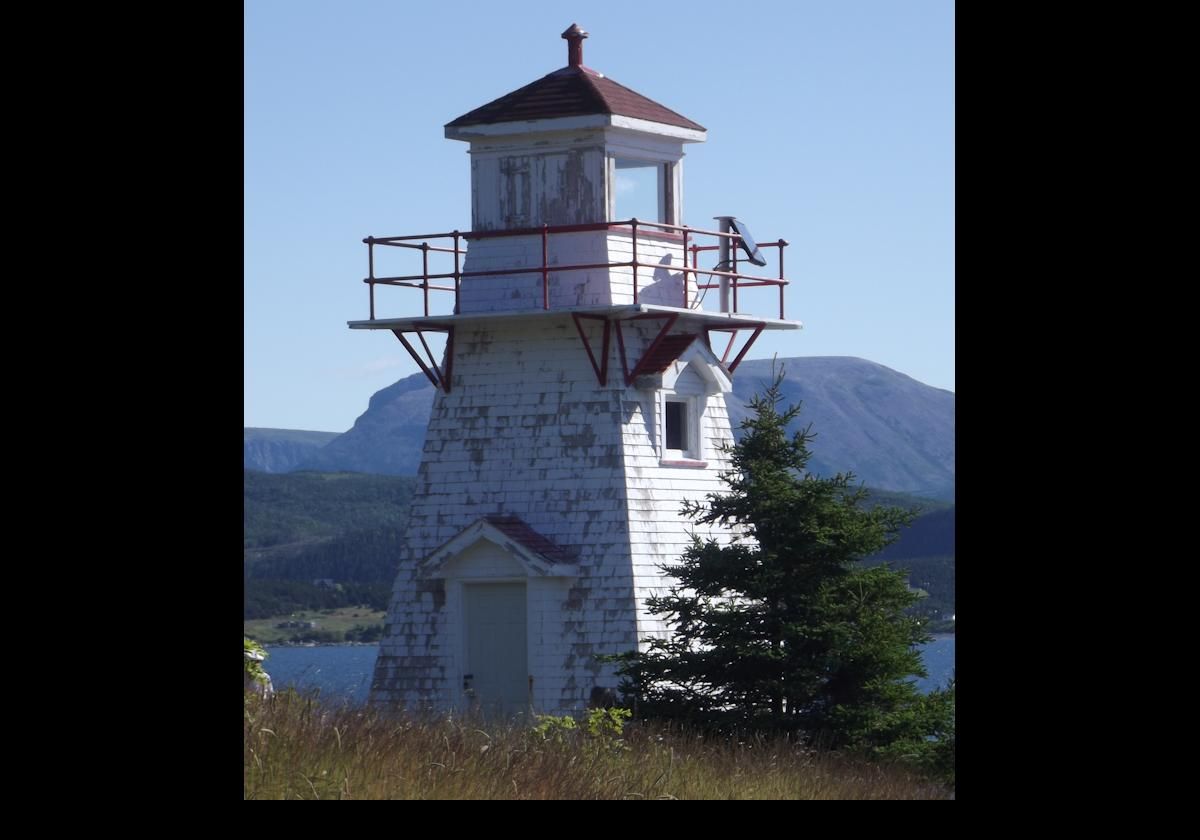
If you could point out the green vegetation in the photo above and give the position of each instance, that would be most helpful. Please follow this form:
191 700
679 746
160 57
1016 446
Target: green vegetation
925 549
362 556
790 632
292 507
342 529
893 498
935 577
252 659
349 528
267 598
293 748
604 727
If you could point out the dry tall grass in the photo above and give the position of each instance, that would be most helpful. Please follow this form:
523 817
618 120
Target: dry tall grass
295 748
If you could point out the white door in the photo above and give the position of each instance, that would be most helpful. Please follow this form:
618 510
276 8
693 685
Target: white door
496 645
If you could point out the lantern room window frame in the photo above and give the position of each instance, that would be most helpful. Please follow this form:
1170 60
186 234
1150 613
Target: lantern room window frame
667 186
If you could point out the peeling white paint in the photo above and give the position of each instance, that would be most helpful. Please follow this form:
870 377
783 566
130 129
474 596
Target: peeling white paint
509 438
526 430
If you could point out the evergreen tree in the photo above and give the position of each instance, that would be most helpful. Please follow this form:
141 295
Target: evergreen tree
783 628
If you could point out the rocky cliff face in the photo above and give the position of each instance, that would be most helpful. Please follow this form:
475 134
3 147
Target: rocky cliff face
280 450
387 438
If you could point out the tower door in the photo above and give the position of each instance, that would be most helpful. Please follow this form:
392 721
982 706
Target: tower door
496 647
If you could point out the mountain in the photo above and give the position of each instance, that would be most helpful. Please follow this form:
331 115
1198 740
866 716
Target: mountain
892 431
280 450
388 437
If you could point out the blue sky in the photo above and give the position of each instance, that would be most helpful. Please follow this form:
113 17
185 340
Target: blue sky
830 124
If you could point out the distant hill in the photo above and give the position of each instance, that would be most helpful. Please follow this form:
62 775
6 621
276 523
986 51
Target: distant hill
312 506
926 550
349 528
309 526
931 534
892 431
280 450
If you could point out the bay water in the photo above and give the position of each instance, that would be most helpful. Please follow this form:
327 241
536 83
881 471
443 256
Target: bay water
344 671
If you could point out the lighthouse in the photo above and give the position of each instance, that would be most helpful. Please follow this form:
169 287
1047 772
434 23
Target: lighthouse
580 367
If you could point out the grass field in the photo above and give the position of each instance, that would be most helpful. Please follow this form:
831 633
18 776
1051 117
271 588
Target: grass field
338 621
294 748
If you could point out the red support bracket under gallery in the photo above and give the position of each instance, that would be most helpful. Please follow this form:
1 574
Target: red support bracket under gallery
429 365
733 331
675 344
602 368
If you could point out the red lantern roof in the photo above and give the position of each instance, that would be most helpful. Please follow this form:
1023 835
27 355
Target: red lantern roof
573 91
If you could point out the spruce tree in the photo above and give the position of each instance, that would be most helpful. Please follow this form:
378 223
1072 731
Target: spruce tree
784 628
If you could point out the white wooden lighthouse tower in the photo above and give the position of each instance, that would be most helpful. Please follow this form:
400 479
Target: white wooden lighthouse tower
579 398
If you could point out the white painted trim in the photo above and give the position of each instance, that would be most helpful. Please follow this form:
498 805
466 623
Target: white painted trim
707 366
481 530
629 144
504 129
471 132
537 144
686 317
662 180
693 443
687 135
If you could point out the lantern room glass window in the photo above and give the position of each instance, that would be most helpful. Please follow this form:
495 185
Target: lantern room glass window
639 189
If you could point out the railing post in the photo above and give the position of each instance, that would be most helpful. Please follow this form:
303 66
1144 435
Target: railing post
425 274
370 240
685 267
457 279
734 252
724 244
635 261
730 266
695 266
782 245
545 270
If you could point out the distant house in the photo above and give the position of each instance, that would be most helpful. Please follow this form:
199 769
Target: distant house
328 583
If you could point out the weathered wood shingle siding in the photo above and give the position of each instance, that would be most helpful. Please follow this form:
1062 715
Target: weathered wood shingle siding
526 430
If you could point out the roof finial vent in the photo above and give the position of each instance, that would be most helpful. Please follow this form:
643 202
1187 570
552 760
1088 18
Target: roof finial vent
574 36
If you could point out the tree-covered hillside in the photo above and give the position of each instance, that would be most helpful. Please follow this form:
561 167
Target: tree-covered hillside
926 550
342 529
294 507
349 527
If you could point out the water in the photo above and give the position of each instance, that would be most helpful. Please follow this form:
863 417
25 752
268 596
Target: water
344 671
939 662
338 671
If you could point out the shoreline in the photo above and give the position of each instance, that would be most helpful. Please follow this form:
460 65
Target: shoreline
318 644
936 637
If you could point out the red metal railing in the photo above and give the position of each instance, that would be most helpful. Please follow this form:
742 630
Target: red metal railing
661 233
